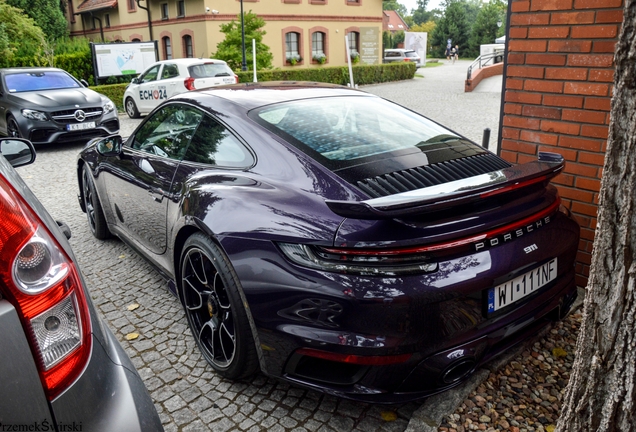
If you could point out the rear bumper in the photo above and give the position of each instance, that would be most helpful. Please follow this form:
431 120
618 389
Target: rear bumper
443 370
437 324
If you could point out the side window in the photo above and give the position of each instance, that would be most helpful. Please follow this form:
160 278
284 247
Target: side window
168 132
150 74
213 144
169 71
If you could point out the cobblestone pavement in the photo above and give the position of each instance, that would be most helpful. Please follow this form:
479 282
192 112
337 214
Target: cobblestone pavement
133 299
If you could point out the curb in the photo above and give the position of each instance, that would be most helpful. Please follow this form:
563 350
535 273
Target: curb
429 416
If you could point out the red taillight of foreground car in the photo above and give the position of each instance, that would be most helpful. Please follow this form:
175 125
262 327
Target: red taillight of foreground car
236 79
189 83
355 359
43 284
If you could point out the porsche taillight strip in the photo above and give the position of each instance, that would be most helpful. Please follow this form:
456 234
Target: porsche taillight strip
552 208
454 193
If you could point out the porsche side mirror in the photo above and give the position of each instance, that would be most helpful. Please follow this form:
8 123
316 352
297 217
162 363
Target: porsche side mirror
109 146
18 151
84 82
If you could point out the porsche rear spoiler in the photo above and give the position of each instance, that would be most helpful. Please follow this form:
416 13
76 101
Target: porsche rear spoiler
453 193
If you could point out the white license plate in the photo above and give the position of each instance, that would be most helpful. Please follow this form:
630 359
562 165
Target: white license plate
522 286
80 126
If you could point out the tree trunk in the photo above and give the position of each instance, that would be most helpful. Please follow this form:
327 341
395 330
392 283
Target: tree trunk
601 394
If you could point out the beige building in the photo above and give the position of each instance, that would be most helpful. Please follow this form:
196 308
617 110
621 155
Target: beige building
296 29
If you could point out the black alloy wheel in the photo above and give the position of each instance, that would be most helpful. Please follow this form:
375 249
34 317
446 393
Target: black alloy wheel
212 303
13 130
94 212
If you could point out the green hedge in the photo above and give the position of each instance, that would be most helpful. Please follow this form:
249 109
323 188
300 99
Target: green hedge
114 92
80 64
362 74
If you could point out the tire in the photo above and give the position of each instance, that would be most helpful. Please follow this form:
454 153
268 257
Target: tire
212 303
94 212
131 108
13 130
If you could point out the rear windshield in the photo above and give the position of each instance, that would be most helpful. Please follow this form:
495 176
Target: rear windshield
352 127
209 70
411 54
31 81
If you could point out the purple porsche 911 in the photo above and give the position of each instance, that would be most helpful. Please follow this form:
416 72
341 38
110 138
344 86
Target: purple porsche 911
333 239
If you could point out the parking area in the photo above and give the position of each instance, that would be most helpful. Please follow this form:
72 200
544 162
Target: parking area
152 327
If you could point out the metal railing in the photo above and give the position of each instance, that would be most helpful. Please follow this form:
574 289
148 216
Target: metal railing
485 60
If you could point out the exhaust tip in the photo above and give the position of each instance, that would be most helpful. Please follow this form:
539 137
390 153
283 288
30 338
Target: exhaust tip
458 371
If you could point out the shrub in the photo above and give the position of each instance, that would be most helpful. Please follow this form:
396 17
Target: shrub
320 58
78 64
294 59
362 74
114 92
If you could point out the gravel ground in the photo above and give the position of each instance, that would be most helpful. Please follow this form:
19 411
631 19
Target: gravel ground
526 394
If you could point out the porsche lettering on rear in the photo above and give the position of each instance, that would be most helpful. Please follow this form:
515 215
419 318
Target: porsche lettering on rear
512 235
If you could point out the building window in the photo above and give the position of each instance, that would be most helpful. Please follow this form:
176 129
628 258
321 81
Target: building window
187 46
180 8
317 44
167 48
164 11
107 20
136 40
132 5
291 46
352 41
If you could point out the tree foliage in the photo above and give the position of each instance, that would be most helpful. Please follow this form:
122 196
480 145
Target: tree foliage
485 29
453 25
230 49
420 14
47 14
395 6
19 36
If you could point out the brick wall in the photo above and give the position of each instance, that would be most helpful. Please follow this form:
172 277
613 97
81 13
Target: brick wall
557 96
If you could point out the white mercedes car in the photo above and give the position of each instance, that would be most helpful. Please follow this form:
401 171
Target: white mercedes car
166 78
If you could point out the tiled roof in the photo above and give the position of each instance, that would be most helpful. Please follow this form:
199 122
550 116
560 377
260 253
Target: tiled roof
92 5
393 22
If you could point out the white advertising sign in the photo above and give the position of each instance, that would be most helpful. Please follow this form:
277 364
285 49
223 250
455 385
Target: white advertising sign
417 42
118 59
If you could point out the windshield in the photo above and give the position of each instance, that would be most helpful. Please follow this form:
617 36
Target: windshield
208 70
353 127
32 81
